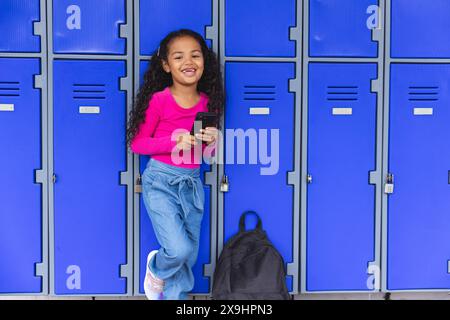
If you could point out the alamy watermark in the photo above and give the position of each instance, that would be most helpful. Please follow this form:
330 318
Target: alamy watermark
251 146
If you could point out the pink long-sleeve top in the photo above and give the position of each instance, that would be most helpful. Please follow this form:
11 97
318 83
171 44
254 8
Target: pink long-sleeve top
164 116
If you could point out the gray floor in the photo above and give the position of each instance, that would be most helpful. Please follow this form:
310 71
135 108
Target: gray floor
330 296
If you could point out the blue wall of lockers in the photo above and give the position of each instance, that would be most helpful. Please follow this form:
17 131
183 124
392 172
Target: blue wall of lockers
356 91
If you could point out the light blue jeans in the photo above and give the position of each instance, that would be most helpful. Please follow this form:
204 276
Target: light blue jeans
174 199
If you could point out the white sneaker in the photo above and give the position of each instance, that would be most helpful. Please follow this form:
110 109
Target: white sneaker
153 286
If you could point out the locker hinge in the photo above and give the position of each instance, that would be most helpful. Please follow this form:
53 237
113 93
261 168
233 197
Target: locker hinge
39 176
125 84
125 31
125 271
377 34
211 33
389 184
294 85
295 34
39 270
309 179
38 28
124 178
373 177
292 268
376 85
39 81
54 178
374 272
292 178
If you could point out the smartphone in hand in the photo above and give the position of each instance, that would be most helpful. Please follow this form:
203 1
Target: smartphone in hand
208 119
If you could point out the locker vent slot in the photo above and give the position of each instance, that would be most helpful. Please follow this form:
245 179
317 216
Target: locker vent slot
342 93
259 93
9 89
89 91
423 93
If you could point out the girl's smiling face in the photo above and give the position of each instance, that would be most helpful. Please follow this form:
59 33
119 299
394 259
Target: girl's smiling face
184 61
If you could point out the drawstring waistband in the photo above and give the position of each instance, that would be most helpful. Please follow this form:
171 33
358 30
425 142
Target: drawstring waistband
185 179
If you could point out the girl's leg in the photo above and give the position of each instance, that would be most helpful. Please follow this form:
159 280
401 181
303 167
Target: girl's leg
185 280
166 215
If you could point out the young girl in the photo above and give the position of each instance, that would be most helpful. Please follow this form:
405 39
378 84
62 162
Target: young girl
183 78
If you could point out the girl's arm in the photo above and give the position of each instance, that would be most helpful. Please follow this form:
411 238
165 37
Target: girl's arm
144 143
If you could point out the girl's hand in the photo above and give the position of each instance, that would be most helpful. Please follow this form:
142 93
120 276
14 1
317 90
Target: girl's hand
210 135
185 142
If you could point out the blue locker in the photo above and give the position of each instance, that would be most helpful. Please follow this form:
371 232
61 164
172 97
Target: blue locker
20 196
90 205
341 153
85 26
420 29
258 100
148 241
341 28
259 32
158 18
418 249
16 26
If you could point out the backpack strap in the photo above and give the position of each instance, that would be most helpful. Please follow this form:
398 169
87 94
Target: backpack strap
242 220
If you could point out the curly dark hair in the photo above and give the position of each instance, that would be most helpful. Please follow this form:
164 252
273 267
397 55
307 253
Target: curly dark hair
156 79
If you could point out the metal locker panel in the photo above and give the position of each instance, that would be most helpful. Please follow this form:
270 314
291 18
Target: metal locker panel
90 205
418 248
16 26
20 196
339 28
158 18
147 238
341 153
258 100
259 32
85 26
420 28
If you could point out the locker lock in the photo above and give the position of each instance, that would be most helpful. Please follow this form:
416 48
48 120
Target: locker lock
224 184
389 186
138 185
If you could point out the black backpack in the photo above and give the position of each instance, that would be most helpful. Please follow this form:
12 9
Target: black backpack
249 267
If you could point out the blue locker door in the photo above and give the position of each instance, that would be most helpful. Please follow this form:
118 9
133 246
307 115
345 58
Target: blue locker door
341 153
259 28
260 106
148 241
342 28
20 196
16 26
158 18
86 26
418 252
420 28
89 153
